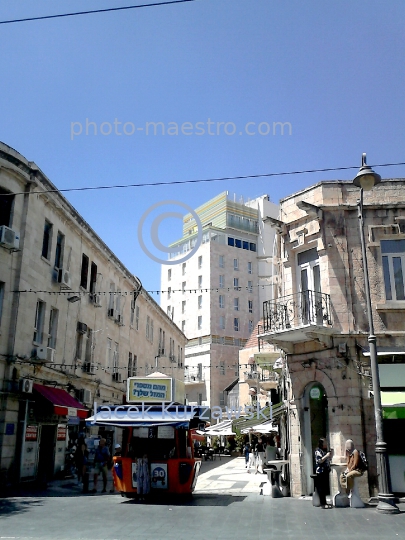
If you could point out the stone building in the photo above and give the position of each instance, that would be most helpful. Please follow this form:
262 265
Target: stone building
216 295
74 323
319 320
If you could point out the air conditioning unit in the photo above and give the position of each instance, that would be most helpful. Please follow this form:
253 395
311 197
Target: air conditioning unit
117 377
64 278
50 354
42 353
81 327
111 312
89 367
84 396
26 385
9 238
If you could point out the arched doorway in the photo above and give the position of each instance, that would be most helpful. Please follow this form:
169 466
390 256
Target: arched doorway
316 425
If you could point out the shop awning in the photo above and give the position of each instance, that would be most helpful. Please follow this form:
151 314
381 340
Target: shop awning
63 403
385 351
149 416
264 428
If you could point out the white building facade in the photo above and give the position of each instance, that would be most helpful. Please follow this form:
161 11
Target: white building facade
215 296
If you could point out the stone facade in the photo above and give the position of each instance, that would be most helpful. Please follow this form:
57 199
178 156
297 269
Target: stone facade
319 317
76 323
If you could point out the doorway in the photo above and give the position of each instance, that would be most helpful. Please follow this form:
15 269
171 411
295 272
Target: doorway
316 425
46 460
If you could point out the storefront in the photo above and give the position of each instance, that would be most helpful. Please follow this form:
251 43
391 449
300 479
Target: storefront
44 431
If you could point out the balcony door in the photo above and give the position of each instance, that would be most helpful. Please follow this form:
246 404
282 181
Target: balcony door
309 286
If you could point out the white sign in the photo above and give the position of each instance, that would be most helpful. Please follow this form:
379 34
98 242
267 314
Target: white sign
315 393
158 475
165 432
72 411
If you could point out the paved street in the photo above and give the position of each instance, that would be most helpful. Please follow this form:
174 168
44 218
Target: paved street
226 505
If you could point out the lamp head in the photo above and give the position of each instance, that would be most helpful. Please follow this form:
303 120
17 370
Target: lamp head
366 178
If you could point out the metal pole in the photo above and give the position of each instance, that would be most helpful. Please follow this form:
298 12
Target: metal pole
386 500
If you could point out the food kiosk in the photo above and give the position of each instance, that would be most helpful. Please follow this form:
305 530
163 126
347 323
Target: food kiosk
158 427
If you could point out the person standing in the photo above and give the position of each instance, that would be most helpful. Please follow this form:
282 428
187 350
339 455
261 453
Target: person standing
322 463
246 452
81 459
252 459
259 456
143 477
101 459
117 453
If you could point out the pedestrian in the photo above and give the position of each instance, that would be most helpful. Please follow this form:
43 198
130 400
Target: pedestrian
354 466
101 459
259 456
252 459
322 462
143 477
81 460
117 453
246 451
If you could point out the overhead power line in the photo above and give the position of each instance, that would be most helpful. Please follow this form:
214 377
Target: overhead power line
59 15
201 180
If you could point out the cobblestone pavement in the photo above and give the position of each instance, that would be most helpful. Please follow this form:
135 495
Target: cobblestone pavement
226 505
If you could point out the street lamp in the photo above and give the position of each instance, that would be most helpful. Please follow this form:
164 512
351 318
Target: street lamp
366 179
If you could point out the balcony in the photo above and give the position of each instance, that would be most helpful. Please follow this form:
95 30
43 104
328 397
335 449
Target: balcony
297 318
266 381
194 379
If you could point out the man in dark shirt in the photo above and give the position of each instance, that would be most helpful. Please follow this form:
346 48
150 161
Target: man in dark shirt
101 458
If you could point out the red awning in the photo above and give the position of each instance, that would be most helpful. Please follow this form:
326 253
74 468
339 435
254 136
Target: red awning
63 403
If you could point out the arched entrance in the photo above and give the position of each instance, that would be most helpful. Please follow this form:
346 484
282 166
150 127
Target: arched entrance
316 425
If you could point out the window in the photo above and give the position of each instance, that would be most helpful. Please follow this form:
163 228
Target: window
393 261
6 206
132 316
111 300
108 355
236 342
2 285
148 327
183 307
221 282
199 322
200 399
221 261
183 326
236 304
236 283
53 328
90 346
60 241
199 282
236 324
200 302
115 358
249 268
47 240
250 286
221 399
222 340
236 264
183 269
93 277
250 306
79 346
39 321
250 327
132 365
84 271
231 241
238 243
200 261
183 287
221 301
137 317
162 336
169 293
222 322
169 274
222 368
151 331
252 246
245 245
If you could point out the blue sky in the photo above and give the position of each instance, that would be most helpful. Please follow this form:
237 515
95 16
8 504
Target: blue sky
333 70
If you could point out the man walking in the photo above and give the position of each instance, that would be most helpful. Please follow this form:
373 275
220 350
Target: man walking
101 458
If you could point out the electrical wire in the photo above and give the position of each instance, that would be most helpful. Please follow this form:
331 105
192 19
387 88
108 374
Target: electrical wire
197 181
57 16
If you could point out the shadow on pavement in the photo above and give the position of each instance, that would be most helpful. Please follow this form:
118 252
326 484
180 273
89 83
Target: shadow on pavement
11 506
196 499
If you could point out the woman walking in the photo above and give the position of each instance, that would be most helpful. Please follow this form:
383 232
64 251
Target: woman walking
322 462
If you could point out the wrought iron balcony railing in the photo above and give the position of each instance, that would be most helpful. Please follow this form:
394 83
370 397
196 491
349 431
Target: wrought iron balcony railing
260 376
296 310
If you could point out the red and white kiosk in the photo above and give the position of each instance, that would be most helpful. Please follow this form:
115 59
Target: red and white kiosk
155 424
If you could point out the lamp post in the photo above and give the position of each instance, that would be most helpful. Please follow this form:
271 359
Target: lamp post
366 179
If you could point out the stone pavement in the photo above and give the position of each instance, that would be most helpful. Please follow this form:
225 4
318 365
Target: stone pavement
229 476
